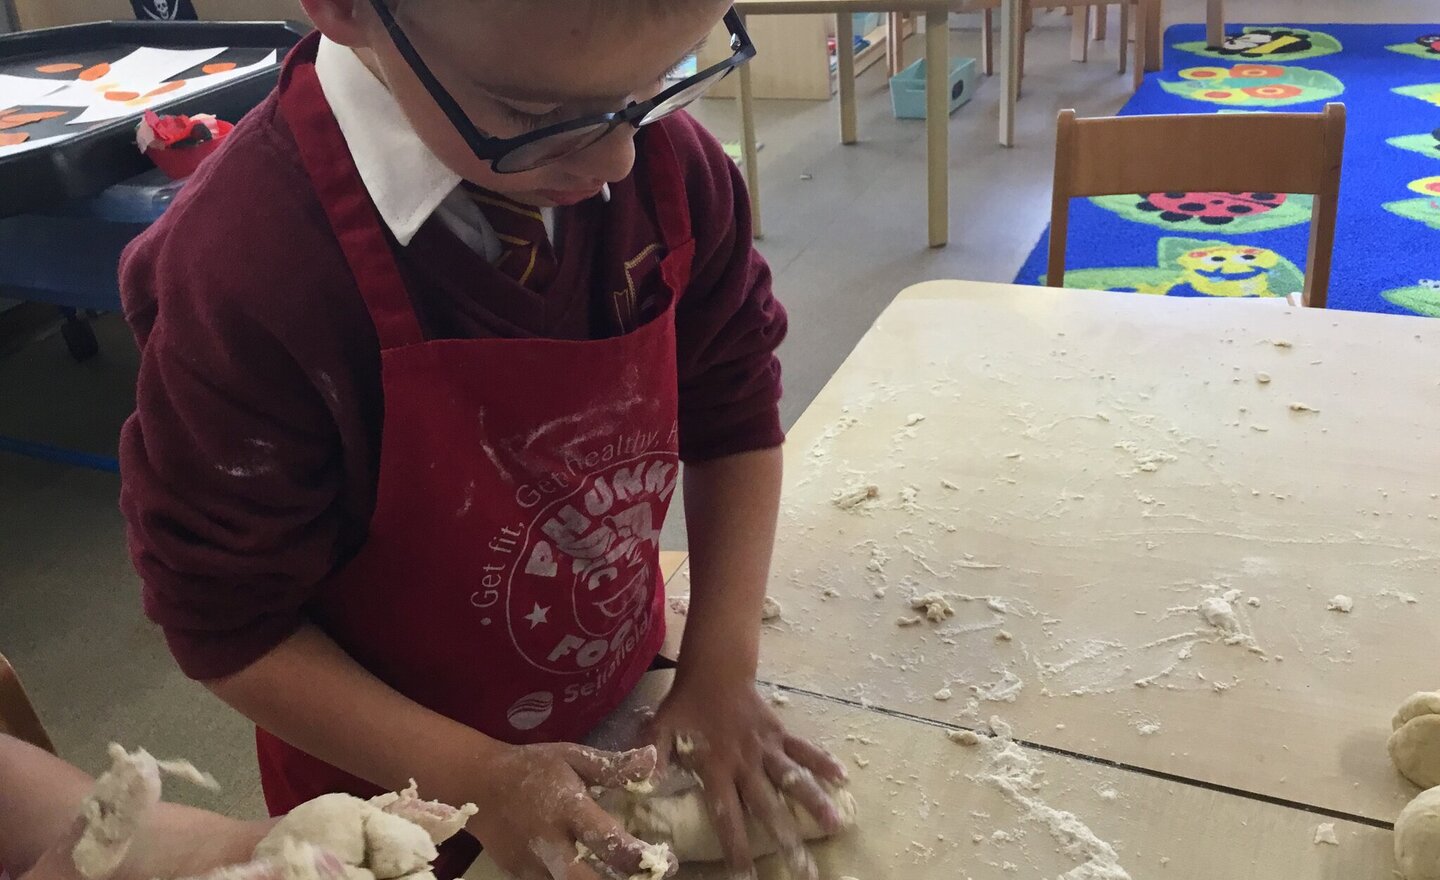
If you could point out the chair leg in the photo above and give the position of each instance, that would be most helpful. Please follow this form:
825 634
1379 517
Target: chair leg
845 64
1122 45
895 42
1214 23
987 43
1137 61
1080 34
1154 46
1099 24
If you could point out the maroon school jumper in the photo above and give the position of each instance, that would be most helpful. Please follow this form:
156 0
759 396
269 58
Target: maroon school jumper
508 575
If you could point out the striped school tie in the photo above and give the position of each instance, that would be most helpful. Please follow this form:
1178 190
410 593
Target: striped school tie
526 254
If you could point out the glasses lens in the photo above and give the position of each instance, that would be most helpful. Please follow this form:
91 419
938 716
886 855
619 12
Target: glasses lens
550 149
684 97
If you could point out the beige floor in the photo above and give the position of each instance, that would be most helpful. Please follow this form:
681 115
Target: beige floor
844 232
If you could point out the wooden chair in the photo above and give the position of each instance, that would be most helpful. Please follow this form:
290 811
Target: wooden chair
17 715
1282 153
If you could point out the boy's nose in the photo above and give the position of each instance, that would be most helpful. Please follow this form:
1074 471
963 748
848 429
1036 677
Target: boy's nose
608 159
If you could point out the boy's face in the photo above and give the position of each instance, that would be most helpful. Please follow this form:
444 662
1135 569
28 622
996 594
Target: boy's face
518 65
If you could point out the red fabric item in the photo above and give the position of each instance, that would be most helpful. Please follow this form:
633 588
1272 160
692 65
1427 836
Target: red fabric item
250 466
527 256
551 584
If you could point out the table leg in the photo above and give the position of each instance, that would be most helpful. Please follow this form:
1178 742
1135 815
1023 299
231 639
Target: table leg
1154 46
937 122
1080 33
987 42
1214 23
748 150
1122 48
1098 27
895 42
1010 25
845 70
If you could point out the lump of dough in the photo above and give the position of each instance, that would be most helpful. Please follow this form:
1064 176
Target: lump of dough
333 822
112 813
935 606
1417 837
1415 705
440 820
682 822
770 609
1415 749
394 846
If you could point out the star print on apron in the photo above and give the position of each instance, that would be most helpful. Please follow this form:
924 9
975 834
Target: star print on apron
510 579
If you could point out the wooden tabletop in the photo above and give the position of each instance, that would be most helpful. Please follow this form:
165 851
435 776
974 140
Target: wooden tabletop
931 809
796 7
1087 474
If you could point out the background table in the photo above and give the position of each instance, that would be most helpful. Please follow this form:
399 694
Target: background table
937 91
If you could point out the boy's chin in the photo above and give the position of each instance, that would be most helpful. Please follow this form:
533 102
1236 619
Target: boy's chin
551 198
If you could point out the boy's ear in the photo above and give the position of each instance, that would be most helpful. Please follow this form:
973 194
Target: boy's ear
341 20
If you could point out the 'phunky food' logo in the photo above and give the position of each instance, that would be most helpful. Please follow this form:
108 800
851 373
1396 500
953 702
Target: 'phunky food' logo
583 572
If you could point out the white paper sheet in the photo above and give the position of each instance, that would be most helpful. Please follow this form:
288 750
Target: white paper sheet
30 145
140 71
102 109
16 91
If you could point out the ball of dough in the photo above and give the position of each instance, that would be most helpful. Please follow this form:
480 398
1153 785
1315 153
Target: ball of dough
1415 705
395 846
333 822
1417 838
681 821
1415 744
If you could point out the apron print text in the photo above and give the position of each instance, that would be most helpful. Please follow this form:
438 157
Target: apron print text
576 580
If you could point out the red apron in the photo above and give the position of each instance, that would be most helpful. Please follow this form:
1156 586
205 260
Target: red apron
510 579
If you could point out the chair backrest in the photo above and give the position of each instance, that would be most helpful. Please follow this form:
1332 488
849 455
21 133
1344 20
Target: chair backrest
17 715
1239 152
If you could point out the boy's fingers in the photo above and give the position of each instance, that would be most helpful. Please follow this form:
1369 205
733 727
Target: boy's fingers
611 769
799 784
764 803
728 818
816 760
561 861
607 840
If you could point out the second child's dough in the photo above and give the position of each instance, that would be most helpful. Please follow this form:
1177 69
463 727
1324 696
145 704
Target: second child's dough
681 821
1415 743
1417 837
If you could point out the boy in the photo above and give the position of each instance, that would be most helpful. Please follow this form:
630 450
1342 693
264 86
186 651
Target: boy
421 348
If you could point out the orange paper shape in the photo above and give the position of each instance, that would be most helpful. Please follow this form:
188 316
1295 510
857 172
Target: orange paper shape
166 87
15 120
63 67
90 74
11 138
121 96
219 67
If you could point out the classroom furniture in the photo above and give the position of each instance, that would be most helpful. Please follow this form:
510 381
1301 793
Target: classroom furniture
1088 22
1076 472
937 55
1283 153
795 60
1214 23
54 13
17 714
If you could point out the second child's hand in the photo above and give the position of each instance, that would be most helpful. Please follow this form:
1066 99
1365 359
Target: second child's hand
535 806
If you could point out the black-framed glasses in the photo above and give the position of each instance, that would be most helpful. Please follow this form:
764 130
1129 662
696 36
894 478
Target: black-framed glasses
555 142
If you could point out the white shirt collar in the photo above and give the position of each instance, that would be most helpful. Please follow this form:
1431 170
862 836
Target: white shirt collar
406 181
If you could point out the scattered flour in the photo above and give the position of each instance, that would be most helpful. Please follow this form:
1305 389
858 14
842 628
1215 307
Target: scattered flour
770 609
943 694
964 737
1341 603
1302 408
1325 833
848 499
935 606
1011 771
1262 377
1004 690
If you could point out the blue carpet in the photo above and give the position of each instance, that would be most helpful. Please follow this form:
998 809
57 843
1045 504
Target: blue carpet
1387 237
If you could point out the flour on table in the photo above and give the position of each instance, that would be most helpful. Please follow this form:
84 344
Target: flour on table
1302 408
1341 603
771 609
779 698
935 606
1003 636
1262 377
963 737
1325 833
1017 776
848 499
1003 690
943 694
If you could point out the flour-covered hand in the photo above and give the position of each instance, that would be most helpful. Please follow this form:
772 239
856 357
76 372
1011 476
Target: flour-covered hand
734 742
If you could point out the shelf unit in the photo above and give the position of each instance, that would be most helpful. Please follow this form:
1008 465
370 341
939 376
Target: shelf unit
794 60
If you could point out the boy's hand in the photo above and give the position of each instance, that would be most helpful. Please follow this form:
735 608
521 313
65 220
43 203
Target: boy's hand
535 805
725 733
